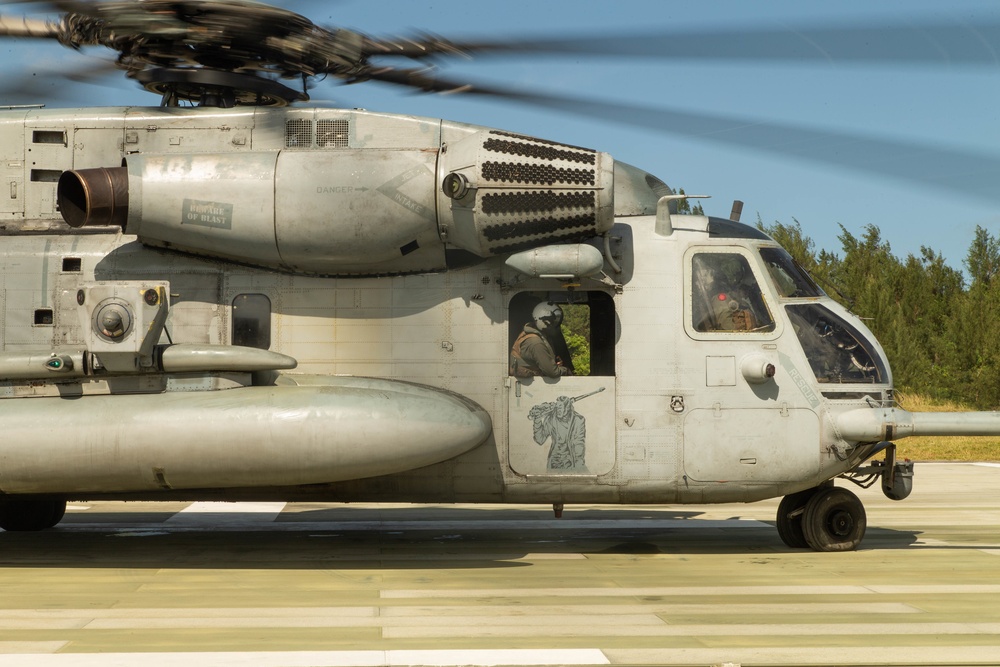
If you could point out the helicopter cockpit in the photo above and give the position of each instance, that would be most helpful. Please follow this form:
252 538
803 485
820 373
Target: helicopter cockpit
728 300
837 351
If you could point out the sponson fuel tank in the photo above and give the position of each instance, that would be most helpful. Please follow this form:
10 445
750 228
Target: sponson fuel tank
305 430
354 211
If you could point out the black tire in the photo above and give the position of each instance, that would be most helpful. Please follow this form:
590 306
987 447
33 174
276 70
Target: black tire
791 509
30 515
834 520
58 512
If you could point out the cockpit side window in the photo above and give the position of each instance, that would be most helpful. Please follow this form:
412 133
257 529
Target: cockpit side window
725 295
790 279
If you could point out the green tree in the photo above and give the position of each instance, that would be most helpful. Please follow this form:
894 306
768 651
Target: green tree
803 250
983 259
975 329
576 331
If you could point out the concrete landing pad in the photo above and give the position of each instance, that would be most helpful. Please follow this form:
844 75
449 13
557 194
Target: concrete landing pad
185 584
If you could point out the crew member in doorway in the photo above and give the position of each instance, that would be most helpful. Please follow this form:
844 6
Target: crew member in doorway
532 353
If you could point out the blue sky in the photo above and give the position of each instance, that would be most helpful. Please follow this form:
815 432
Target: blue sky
946 106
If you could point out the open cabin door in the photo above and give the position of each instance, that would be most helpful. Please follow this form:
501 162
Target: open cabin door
565 426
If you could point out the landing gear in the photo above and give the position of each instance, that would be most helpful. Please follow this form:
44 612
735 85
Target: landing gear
834 520
789 519
826 518
24 515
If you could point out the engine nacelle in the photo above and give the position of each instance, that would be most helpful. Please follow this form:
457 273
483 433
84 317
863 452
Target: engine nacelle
353 211
503 193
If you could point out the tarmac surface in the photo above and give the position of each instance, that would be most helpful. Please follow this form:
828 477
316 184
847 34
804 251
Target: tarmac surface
207 584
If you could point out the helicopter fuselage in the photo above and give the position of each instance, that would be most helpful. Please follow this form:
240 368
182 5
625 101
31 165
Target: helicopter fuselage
324 304
670 410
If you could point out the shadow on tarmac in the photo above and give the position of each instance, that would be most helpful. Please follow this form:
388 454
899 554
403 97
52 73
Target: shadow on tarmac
394 538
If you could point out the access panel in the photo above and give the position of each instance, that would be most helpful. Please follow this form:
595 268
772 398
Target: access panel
752 445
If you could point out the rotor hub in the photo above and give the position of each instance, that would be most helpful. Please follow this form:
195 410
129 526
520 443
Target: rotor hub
216 88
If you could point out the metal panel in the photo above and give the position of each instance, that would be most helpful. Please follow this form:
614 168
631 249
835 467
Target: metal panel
97 147
349 211
563 427
752 445
720 371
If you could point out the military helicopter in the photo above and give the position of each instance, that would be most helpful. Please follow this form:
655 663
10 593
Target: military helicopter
231 297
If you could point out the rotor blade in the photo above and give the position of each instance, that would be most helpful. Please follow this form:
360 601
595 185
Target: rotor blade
937 167
422 80
960 171
20 26
927 42
45 83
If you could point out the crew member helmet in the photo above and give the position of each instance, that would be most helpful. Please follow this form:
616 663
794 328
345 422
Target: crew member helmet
547 314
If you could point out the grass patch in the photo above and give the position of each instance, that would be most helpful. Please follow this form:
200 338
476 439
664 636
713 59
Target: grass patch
940 448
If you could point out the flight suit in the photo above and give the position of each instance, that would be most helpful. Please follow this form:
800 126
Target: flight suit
532 355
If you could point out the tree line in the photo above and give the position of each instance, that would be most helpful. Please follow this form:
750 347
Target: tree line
940 330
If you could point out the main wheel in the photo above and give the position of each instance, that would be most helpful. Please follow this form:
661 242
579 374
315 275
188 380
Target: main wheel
27 515
789 518
834 520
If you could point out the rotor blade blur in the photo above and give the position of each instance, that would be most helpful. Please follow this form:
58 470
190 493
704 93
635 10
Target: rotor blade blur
917 43
44 83
20 26
422 80
939 167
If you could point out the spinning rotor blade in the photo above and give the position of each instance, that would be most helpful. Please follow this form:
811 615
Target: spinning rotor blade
20 26
937 167
48 83
233 35
917 43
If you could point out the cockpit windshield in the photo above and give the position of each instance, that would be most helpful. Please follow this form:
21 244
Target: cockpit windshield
789 278
838 353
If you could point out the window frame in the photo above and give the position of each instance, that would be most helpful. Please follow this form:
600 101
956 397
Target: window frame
262 337
754 263
603 328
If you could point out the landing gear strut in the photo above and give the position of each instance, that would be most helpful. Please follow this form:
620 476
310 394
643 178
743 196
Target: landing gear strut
24 515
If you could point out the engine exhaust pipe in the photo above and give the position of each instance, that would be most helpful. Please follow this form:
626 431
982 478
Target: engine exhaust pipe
94 197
